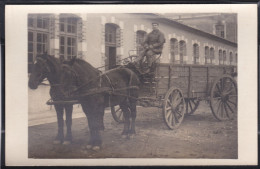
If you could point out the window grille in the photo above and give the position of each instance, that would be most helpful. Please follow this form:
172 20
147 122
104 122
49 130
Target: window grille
182 45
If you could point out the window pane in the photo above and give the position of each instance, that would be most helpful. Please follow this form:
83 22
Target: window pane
69 29
61 49
30 36
30 58
39 49
30 22
44 40
30 47
39 22
73 42
62 42
39 37
73 29
69 41
30 67
69 51
62 27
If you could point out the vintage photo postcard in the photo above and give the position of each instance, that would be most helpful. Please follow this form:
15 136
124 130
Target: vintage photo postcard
131 85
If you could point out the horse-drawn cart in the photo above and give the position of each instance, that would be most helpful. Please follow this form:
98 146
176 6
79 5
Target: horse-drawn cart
178 89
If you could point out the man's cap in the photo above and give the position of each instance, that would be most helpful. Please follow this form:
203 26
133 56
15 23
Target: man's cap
155 23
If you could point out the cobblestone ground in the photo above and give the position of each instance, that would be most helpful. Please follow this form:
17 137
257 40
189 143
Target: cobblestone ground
199 136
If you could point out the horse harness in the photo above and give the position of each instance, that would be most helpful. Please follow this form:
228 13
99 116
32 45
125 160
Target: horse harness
113 91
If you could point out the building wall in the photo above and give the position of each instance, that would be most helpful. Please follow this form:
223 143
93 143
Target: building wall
91 37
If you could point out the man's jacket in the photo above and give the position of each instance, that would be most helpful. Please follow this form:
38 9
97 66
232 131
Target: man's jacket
156 39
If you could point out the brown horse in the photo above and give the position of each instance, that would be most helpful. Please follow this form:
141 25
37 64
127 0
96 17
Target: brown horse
96 91
49 67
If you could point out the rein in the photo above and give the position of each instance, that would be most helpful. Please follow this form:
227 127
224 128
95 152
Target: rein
96 78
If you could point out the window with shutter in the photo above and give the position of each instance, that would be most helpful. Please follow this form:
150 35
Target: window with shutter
174 49
224 57
140 36
68 36
230 57
212 55
182 45
196 53
207 56
220 55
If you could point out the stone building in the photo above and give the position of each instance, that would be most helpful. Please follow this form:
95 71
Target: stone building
105 39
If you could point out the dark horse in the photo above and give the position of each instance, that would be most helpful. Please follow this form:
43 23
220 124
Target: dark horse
49 67
96 91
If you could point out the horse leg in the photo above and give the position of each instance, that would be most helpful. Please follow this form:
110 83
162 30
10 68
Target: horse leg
133 117
98 124
68 110
60 136
126 114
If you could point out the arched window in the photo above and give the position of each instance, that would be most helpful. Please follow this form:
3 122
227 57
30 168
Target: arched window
224 57
68 36
195 53
174 49
182 46
220 56
38 36
207 55
230 58
140 36
212 55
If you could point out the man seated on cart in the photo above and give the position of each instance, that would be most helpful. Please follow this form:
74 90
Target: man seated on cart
153 45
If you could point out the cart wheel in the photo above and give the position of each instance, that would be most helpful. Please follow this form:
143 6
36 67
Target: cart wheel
117 114
191 105
223 98
173 108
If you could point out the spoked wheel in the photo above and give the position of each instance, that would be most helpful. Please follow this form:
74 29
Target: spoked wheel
173 108
117 114
191 105
223 98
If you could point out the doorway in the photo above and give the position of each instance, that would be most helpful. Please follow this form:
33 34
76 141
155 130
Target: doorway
111 37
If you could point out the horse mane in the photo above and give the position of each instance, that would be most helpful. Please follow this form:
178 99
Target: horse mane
54 63
85 66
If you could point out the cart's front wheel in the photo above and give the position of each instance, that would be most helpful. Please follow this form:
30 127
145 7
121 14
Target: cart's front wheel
223 98
117 114
173 108
191 105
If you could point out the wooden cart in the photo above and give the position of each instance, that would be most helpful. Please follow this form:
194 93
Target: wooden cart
178 90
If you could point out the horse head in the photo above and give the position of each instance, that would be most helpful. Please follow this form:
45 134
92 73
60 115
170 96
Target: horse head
39 72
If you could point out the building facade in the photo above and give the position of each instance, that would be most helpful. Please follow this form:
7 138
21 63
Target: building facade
105 39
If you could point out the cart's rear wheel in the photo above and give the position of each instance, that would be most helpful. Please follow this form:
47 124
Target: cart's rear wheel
191 105
173 108
117 114
223 98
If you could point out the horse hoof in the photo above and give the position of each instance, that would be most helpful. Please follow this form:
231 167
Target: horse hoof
124 136
67 142
57 142
89 146
96 148
131 136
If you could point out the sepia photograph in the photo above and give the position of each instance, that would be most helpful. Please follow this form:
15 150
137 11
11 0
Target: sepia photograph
133 85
